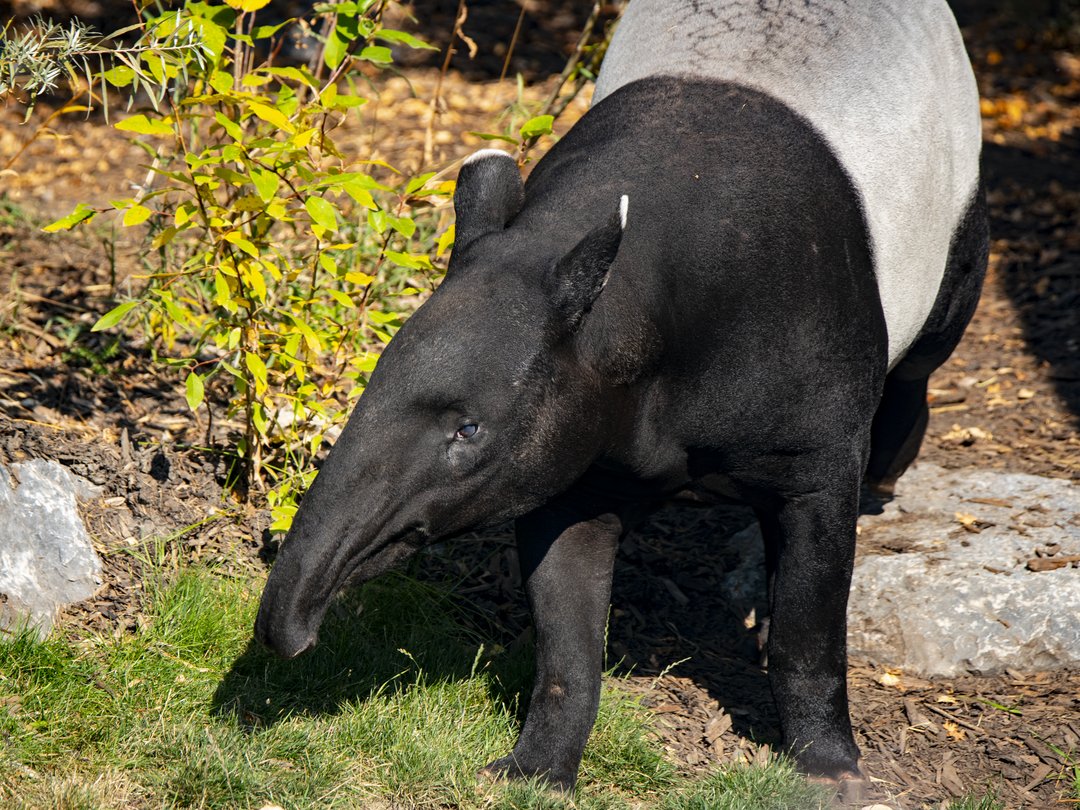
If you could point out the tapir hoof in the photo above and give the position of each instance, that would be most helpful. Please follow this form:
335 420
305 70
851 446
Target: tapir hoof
510 768
884 488
850 788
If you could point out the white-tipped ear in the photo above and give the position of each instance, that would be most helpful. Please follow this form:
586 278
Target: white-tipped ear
480 154
489 194
624 206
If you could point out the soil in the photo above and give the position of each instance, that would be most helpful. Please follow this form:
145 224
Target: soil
1009 399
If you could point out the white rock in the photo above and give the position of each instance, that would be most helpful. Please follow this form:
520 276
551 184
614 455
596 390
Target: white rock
46 558
959 601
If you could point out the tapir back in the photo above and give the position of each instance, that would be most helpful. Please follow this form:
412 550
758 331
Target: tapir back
887 84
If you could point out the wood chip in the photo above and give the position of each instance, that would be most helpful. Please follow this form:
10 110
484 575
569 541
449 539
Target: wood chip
1041 772
1038 564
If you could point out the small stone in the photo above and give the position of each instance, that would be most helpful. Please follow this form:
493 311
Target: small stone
46 557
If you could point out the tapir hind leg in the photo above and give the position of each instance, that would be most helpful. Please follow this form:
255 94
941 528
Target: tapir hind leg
901 418
897 432
567 559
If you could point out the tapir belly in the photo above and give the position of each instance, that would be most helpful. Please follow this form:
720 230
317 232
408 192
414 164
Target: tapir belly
887 85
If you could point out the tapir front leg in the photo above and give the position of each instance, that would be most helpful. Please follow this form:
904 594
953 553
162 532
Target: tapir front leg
567 558
814 535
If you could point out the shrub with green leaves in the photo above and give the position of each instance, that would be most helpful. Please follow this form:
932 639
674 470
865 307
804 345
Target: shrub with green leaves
278 265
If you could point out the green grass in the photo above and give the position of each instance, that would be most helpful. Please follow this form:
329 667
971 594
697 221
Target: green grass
987 801
398 706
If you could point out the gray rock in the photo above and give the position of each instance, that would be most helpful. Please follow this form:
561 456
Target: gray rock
934 598
46 558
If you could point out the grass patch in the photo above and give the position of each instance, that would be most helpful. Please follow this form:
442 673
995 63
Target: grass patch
987 801
399 705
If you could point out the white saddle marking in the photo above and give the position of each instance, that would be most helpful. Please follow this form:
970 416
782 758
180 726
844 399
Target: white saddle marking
887 84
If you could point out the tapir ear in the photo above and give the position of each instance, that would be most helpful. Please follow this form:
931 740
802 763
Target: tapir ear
489 194
582 273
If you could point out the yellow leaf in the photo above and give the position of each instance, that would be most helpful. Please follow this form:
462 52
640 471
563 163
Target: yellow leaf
445 241
247 5
164 238
304 138
310 338
272 116
136 215
890 679
954 731
258 371
255 279
363 279
82 212
142 125
183 215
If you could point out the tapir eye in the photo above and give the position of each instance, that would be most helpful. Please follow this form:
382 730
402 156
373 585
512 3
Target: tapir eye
467 431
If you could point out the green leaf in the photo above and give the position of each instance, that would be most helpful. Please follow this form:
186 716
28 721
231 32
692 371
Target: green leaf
213 26
349 8
236 238
346 102
222 293
195 390
404 38
344 33
328 264
113 316
492 136
266 31
294 73
231 127
341 298
257 368
335 50
322 212
403 225
418 182
119 76
360 195
410 261
378 54
164 237
445 241
81 213
142 125
266 183
535 127
384 318
310 338
221 81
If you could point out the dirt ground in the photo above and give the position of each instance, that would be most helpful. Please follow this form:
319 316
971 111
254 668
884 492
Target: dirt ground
1008 399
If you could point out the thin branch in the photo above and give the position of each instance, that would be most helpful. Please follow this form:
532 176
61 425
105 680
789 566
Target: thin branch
429 133
573 62
513 42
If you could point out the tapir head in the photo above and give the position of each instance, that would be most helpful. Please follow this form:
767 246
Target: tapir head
478 411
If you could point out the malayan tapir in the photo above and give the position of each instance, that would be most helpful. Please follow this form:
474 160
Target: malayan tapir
741 264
